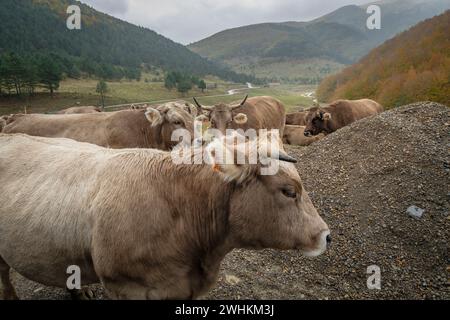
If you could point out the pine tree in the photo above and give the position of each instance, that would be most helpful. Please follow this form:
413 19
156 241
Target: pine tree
184 86
202 85
102 88
50 74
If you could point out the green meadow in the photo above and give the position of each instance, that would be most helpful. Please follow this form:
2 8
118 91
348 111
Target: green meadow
83 92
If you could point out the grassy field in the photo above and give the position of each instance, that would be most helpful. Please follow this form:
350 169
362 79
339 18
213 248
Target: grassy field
72 92
291 96
285 69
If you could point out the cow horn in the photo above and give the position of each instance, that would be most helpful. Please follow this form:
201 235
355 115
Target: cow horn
241 104
286 158
244 101
197 103
202 107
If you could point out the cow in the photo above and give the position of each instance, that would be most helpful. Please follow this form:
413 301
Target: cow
186 106
254 113
141 225
150 128
339 114
80 110
296 118
3 122
295 135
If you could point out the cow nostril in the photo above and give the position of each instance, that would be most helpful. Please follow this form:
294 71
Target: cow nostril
328 239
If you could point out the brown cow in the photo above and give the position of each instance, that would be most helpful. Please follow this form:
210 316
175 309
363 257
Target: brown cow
254 113
295 135
3 121
186 106
136 222
80 110
296 118
151 128
339 114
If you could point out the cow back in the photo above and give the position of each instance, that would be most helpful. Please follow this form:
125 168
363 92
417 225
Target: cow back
263 113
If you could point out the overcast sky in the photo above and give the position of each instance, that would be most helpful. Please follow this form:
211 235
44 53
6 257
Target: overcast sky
187 21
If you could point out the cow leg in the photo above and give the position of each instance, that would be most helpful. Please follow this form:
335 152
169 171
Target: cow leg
9 293
83 294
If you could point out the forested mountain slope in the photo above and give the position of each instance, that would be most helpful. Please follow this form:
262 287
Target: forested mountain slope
104 42
414 66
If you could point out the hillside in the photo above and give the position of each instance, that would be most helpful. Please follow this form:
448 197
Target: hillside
333 40
39 27
413 66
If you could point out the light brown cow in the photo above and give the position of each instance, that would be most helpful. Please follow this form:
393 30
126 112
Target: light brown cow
136 222
295 135
3 120
186 106
296 118
254 113
151 128
339 114
80 110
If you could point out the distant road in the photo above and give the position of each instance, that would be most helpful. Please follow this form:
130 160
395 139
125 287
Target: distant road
308 94
229 93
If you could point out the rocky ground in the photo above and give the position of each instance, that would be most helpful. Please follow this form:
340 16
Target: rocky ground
362 179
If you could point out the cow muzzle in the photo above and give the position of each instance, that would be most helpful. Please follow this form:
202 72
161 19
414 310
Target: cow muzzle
322 246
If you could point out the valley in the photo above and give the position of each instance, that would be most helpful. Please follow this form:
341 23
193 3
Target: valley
83 92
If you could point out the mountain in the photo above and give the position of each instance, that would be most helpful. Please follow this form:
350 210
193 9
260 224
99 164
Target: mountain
413 66
315 48
39 26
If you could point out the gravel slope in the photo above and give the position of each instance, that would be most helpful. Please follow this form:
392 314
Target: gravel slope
362 179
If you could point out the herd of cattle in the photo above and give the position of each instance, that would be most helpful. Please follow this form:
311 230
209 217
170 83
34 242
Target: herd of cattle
99 191
152 127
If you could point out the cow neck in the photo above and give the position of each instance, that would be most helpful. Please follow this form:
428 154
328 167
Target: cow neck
155 134
330 123
205 213
212 227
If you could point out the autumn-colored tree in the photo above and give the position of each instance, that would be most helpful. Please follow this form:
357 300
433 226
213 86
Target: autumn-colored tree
413 66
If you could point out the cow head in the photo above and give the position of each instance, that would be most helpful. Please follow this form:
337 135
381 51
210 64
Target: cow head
317 121
168 118
269 211
222 116
188 107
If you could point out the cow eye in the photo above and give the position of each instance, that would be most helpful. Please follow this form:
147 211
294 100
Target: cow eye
177 123
289 193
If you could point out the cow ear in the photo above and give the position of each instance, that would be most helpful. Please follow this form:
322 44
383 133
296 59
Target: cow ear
223 161
191 109
203 118
241 118
154 117
327 116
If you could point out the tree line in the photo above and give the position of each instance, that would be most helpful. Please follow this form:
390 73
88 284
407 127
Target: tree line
23 74
183 82
105 47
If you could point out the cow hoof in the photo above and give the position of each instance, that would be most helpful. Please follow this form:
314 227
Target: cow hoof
82 295
6 295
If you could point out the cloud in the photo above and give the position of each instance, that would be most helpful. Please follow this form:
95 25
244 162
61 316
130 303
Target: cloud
187 21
